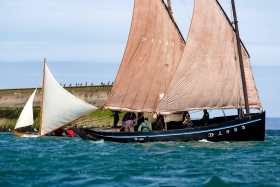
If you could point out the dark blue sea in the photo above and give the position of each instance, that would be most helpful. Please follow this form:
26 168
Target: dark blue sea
48 161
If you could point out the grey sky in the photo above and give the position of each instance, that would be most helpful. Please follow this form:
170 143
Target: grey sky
85 40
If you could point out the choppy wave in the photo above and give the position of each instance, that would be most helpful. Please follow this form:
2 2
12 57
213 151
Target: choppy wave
74 162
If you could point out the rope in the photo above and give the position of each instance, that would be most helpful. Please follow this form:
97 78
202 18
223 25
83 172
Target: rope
231 13
53 72
187 10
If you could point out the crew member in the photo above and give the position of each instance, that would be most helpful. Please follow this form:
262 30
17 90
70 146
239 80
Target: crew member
129 121
159 123
205 117
116 118
145 126
187 122
71 133
58 132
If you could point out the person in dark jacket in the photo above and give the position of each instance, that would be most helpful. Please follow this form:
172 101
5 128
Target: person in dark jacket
205 118
58 132
187 123
140 120
159 123
116 118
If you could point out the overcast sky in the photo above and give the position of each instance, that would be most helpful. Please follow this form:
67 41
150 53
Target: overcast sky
85 40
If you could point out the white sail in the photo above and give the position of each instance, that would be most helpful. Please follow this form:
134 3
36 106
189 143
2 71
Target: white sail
59 106
26 116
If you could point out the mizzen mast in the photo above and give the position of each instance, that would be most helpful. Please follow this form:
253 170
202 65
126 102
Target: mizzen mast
240 59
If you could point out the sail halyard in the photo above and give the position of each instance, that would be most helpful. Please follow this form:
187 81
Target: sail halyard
41 112
154 47
207 76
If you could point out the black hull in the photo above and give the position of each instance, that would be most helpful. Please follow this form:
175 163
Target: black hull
246 129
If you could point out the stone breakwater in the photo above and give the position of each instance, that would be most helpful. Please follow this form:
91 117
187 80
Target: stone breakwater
16 98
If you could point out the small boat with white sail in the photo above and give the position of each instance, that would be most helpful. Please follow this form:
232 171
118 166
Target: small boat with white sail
58 107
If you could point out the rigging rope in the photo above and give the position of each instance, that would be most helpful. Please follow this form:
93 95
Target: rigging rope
53 73
231 13
187 10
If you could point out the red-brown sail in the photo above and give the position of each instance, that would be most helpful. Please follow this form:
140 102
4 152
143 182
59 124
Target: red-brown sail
152 54
208 76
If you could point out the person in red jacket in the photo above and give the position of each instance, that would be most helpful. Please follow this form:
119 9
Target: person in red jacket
71 133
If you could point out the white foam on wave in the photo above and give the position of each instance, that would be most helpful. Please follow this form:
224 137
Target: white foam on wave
31 136
98 141
204 140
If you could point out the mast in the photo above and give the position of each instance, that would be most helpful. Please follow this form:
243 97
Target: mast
42 97
169 11
240 59
233 27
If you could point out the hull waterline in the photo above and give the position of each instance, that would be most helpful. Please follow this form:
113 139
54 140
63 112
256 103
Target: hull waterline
22 134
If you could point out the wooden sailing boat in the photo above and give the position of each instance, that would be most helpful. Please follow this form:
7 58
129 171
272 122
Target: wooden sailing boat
58 107
159 74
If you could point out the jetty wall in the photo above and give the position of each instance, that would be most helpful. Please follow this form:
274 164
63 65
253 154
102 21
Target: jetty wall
16 98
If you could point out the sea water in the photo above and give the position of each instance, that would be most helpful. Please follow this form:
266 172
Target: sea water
48 161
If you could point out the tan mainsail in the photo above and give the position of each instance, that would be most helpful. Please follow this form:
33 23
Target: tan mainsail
208 76
152 54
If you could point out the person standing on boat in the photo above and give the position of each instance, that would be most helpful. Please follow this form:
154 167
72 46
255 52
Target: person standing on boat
140 120
129 121
145 126
159 123
205 118
116 118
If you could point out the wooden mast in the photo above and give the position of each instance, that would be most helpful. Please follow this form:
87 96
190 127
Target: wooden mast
41 115
240 59
170 10
244 47
172 18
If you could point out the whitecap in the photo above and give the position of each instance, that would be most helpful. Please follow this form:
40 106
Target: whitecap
204 140
98 141
31 136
